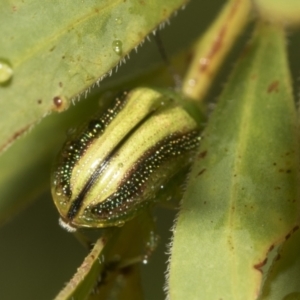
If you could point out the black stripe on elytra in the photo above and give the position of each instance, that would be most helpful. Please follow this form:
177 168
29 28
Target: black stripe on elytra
123 201
77 144
77 203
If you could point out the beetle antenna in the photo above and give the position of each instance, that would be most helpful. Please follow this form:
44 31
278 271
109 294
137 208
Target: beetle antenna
176 77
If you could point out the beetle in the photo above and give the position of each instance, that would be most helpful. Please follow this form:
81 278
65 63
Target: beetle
113 166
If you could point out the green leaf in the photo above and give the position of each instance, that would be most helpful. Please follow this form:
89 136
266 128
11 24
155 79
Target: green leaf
242 198
57 50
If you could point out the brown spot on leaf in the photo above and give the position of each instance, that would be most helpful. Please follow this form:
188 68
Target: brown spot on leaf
201 172
202 154
291 232
60 84
278 256
39 101
273 87
15 135
219 40
285 171
259 266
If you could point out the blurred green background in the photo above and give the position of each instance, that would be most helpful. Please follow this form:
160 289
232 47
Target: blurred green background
37 257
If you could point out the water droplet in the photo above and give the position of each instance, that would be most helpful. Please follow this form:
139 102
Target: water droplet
57 101
145 260
118 21
60 103
6 72
117 46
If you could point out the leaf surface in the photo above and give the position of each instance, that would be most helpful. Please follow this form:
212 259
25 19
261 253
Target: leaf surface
56 50
242 197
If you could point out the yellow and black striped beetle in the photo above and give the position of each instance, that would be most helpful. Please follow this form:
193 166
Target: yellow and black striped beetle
113 166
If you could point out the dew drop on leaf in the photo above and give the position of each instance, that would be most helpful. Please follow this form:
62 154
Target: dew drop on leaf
117 47
6 72
145 260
